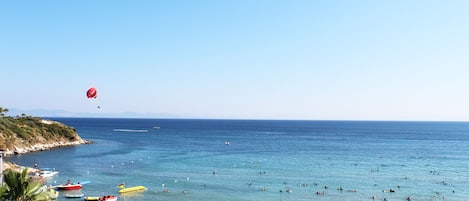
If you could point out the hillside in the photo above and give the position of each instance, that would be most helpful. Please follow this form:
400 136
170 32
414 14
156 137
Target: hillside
26 134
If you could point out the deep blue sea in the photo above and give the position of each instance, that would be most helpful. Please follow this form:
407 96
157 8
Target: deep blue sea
265 160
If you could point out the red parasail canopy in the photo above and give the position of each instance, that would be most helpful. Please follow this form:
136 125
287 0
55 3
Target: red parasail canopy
92 93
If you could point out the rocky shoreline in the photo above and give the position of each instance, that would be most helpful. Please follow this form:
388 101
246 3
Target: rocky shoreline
17 168
44 147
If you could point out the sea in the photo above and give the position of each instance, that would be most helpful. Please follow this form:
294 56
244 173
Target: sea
263 160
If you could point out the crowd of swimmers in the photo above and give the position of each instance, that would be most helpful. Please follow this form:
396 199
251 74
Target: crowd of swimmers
340 188
289 190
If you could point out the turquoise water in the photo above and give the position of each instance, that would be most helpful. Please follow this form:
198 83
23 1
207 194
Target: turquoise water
421 160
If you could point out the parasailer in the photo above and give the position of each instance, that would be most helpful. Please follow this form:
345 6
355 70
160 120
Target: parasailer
92 93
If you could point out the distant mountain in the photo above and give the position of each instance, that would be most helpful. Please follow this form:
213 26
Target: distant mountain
37 112
64 113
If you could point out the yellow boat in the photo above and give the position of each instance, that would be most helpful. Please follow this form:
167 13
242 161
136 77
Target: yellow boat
132 189
91 198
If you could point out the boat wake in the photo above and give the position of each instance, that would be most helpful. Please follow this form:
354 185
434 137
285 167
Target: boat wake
130 130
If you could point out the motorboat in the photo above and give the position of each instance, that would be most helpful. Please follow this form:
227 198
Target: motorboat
47 173
69 187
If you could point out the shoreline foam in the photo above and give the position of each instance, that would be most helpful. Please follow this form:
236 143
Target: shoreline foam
44 147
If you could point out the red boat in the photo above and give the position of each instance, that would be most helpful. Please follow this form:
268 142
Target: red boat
69 187
108 198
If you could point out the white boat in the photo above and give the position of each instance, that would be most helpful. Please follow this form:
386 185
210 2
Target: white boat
76 195
47 173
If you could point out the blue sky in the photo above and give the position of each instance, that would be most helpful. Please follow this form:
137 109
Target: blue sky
319 60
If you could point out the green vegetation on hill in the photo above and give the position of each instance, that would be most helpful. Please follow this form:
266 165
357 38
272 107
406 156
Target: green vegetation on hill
24 131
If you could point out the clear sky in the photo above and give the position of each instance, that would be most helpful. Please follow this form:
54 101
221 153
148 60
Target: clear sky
237 59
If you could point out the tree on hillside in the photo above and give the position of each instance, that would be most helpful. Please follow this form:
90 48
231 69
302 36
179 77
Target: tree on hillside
19 187
3 111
